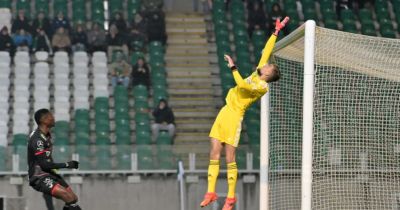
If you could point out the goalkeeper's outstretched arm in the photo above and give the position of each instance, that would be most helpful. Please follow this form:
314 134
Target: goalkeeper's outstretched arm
236 75
269 46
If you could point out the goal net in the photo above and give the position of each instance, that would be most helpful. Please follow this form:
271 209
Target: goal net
354 123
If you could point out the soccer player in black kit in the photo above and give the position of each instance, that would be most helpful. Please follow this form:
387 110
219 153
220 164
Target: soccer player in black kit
42 169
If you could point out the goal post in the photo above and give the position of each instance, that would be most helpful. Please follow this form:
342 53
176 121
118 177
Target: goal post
330 127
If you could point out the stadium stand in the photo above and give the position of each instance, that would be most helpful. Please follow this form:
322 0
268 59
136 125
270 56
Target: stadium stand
89 112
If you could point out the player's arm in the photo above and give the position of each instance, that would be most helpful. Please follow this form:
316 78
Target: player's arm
269 46
46 163
236 75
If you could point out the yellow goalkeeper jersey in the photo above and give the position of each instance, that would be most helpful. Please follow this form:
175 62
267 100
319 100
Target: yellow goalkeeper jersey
246 92
249 90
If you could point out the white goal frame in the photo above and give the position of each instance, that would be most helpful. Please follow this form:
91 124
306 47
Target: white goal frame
308 31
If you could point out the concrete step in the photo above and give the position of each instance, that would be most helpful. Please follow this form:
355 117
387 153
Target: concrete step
187 36
186 19
185 24
193 62
178 92
187 81
189 73
187 30
187 65
199 41
193 69
195 113
185 57
195 127
187 50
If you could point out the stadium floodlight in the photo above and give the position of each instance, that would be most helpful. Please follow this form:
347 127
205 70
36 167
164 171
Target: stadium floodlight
330 127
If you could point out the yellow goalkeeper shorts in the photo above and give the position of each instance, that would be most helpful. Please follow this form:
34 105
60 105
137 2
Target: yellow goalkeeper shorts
227 126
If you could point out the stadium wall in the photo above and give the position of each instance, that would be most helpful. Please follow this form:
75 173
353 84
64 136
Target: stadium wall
153 192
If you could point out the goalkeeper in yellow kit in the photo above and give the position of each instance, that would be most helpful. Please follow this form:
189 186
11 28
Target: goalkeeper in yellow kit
227 126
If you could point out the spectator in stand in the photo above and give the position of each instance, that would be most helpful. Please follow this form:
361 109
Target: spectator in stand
61 41
141 73
257 19
276 13
41 42
61 22
96 38
119 22
120 71
22 40
140 24
6 42
21 22
136 40
156 27
43 23
116 42
79 39
164 119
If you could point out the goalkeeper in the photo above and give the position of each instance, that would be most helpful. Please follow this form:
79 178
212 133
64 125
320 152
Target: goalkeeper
226 129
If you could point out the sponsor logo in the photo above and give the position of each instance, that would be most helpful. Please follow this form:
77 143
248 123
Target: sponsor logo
49 182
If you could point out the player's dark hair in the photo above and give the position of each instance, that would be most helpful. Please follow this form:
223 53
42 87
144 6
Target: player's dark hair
277 74
39 114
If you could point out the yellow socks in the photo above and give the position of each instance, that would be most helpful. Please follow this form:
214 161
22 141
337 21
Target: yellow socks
213 171
232 178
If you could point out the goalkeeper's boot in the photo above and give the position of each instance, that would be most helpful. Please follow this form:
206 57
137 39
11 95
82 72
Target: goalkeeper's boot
229 203
209 198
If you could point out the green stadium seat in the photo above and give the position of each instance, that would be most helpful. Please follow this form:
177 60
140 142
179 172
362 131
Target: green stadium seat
165 158
140 93
368 29
79 16
3 161
241 158
82 137
62 153
349 26
24 5
388 32
98 13
22 152
5 4
60 6
382 13
20 139
145 157
101 105
164 138
143 137
123 135
103 158
331 24
142 117
347 14
156 46
310 14
255 149
123 157
133 8
85 156
135 57
115 6
42 6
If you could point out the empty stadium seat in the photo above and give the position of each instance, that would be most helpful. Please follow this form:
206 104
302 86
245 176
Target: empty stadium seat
123 157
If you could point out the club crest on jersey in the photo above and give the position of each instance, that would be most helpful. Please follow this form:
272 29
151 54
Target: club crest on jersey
40 144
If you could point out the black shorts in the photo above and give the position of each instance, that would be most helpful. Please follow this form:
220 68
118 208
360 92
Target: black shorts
47 183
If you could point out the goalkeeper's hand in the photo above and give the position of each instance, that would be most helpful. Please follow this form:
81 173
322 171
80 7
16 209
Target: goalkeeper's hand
230 61
279 25
72 164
